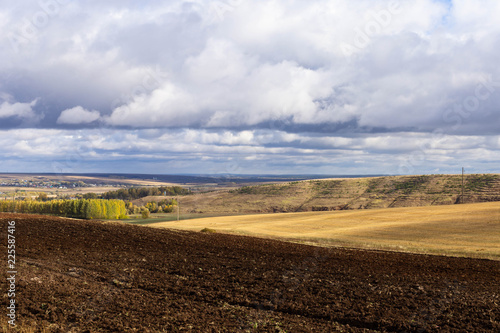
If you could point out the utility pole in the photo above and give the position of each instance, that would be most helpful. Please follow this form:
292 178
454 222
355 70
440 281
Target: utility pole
178 206
463 171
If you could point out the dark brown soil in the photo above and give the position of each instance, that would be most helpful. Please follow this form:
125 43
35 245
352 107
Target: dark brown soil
83 276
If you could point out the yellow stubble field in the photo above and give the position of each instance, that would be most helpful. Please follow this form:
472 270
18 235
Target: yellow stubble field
471 230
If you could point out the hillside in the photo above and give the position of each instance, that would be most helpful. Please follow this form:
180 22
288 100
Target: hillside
87 276
341 194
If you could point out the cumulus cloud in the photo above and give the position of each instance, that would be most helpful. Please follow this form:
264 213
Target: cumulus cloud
292 69
267 92
78 115
21 111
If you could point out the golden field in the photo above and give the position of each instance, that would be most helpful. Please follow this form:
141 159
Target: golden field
471 230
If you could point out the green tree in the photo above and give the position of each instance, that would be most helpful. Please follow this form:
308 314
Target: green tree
42 196
90 196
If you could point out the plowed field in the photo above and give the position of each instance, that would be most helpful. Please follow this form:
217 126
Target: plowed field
81 276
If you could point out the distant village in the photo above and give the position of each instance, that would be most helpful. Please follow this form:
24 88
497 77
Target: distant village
47 184
22 188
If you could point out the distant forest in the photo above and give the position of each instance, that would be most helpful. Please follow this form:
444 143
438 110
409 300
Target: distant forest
138 193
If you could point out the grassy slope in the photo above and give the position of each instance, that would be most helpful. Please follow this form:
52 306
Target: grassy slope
469 229
363 193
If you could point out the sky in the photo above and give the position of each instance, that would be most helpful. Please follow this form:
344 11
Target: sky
336 87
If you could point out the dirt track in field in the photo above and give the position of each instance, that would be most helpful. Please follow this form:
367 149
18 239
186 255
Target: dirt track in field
81 276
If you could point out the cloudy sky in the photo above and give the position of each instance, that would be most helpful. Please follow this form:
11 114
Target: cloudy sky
242 87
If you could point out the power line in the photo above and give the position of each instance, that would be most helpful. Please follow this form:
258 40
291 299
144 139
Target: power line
463 171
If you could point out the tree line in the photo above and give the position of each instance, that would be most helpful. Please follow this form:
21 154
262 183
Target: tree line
139 192
80 208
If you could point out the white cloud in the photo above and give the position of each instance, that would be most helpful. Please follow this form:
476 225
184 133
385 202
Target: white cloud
78 115
246 151
23 111
289 67
251 96
216 81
